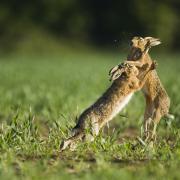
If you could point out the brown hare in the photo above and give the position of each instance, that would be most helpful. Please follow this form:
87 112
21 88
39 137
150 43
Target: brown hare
108 105
157 100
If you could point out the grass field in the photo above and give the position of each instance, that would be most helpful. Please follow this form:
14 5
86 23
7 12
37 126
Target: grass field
42 95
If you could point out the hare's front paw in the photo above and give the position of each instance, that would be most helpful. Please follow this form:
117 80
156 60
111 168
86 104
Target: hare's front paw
153 65
117 71
112 70
115 75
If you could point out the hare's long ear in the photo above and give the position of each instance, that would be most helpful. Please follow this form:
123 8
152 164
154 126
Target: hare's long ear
150 42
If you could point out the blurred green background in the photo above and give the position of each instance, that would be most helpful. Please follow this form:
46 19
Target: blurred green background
54 61
103 23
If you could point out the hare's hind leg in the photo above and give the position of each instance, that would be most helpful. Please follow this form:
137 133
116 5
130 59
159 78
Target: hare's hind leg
156 118
95 128
94 131
148 115
151 125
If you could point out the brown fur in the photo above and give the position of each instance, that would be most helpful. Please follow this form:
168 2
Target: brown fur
103 110
157 100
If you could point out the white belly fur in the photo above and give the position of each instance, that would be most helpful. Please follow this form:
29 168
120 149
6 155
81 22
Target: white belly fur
121 105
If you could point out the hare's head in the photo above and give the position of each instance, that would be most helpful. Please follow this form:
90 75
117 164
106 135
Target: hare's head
140 46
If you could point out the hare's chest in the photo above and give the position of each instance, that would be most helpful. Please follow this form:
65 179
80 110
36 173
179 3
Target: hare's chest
120 105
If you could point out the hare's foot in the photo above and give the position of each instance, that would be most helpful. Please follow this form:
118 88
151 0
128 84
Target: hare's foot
146 133
150 131
153 124
153 132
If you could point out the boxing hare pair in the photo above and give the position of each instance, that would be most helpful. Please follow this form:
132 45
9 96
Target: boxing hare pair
127 78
